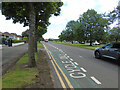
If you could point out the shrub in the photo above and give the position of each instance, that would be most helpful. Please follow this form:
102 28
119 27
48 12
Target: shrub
25 39
17 41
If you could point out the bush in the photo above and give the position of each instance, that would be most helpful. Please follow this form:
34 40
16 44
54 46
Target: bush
3 40
25 39
17 41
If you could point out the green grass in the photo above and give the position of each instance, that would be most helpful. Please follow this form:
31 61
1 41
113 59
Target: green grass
18 77
39 45
79 45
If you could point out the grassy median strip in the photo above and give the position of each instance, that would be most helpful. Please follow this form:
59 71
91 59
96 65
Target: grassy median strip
39 45
79 45
20 75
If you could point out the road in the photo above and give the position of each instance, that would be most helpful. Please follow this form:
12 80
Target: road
81 68
11 54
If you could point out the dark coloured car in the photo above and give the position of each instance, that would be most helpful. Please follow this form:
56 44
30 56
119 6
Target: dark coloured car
111 50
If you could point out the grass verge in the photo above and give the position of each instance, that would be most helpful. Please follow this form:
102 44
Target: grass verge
20 75
39 45
79 45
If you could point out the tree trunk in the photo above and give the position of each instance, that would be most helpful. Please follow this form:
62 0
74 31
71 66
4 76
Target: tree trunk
90 38
35 47
35 39
72 42
31 54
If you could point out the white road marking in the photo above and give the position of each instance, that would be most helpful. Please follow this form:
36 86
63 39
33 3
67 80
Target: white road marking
68 56
80 56
76 63
95 80
71 59
83 69
78 75
65 54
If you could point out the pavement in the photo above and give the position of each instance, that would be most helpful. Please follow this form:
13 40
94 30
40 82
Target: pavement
12 54
13 45
81 68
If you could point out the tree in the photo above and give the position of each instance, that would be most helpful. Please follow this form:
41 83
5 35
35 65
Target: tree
80 31
29 14
25 33
63 36
115 33
70 30
95 25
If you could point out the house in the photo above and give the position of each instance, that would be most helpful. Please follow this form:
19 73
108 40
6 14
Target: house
10 35
19 37
0 37
5 35
14 36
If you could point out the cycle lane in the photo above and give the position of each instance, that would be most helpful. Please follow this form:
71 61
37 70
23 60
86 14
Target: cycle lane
77 75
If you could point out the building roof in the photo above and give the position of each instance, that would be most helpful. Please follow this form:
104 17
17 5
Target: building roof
10 34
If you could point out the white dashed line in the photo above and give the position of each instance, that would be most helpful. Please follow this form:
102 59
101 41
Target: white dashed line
83 69
71 59
65 54
68 56
80 56
95 80
76 63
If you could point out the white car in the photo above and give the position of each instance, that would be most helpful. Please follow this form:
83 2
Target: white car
95 43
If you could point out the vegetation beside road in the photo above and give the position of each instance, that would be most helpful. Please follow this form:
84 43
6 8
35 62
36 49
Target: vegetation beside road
39 45
21 76
79 45
17 41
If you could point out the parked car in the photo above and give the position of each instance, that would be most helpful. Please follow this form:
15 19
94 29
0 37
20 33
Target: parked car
82 42
76 42
111 50
95 43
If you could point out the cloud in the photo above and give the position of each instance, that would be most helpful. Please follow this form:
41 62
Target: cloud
8 26
72 9
107 5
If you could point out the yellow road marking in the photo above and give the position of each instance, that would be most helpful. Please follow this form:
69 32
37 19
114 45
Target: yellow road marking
68 82
47 52
61 81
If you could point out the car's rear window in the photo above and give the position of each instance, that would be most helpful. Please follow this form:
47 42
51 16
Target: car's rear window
116 45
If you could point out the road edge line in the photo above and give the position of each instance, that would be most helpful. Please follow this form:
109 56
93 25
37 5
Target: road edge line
60 79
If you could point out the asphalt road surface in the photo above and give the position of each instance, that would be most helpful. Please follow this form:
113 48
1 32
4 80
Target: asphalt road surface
9 54
81 68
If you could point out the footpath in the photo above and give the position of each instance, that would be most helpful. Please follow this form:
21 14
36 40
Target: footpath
13 45
12 54
36 78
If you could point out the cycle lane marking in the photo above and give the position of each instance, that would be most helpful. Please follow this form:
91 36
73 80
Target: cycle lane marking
66 66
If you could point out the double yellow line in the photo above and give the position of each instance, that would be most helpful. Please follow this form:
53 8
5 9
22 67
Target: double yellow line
57 72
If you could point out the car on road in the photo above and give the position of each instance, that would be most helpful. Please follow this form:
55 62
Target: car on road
46 40
111 50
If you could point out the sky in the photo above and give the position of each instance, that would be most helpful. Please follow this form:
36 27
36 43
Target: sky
71 10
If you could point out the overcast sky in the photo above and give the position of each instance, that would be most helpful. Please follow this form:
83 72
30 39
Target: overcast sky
71 10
